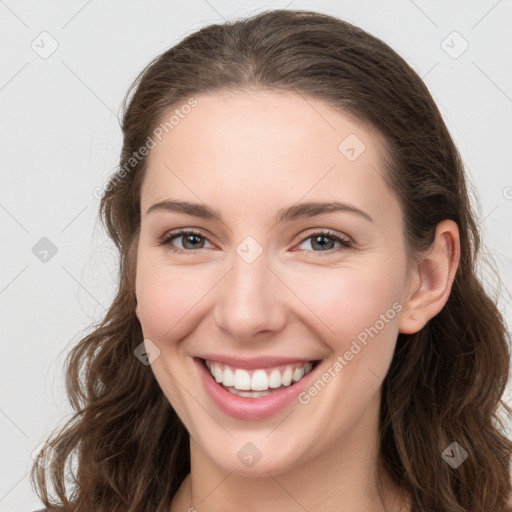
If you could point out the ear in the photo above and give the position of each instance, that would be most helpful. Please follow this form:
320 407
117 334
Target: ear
432 277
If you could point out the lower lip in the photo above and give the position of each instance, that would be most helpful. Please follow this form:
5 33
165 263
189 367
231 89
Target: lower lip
251 408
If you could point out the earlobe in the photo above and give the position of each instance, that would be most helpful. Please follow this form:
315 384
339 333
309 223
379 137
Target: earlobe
433 278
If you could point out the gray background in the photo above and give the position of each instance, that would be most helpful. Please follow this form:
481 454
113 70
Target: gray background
60 139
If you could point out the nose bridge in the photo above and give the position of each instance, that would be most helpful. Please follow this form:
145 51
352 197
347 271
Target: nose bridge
248 298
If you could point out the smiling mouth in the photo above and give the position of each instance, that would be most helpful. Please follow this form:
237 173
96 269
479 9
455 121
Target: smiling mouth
260 382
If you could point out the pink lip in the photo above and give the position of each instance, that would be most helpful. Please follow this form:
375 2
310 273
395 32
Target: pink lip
254 363
251 408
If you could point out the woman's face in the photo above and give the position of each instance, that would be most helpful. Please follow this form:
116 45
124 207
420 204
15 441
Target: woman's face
269 279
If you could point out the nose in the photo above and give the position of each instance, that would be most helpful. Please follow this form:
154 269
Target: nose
250 300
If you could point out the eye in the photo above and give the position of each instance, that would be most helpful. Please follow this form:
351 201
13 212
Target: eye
190 240
324 240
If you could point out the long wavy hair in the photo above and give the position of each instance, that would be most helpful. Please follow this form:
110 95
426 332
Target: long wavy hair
125 449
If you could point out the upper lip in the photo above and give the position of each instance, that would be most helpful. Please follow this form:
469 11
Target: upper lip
254 363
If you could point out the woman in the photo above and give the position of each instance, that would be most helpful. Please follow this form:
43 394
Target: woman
298 324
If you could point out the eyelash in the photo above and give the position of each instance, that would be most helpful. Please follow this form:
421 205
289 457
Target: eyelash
345 242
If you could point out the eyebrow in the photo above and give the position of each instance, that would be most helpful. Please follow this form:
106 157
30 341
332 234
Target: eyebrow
297 211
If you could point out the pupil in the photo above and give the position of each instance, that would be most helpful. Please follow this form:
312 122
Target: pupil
323 245
190 239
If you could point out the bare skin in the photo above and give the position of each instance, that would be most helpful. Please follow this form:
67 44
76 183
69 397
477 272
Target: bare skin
248 155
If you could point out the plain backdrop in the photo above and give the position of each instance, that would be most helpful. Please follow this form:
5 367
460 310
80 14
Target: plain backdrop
65 67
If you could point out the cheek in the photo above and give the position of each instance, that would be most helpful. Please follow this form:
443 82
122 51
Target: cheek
361 312
355 304
168 299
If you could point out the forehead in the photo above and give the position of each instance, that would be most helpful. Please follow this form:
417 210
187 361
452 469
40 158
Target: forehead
265 148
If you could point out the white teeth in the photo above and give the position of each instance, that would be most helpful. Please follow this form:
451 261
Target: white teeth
229 377
298 374
260 381
218 373
287 376
274 379
242 379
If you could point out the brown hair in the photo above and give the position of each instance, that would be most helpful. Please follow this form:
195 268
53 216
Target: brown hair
126 449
